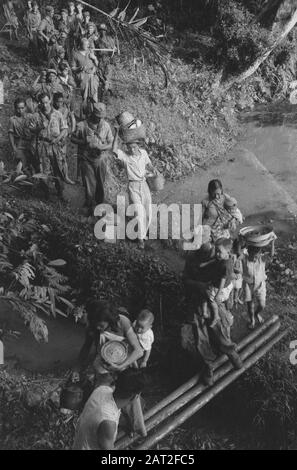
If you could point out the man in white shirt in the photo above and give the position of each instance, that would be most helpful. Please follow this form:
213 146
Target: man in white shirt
98 423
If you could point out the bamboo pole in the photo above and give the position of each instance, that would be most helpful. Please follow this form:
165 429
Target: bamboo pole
187 413
195 379
220 361
122 440
104 50
168 409
97 9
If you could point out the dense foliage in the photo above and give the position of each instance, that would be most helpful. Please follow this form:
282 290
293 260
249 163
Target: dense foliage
52 263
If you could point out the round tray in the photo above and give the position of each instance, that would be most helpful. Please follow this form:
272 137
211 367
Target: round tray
114 352
257 233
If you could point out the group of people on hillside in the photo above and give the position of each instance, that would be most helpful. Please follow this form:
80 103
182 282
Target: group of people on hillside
223 272
73 38
46 122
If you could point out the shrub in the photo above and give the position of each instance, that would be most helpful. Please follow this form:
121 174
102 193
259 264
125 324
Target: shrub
28 279
120 272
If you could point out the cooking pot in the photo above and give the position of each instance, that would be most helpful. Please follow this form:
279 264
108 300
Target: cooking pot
71 397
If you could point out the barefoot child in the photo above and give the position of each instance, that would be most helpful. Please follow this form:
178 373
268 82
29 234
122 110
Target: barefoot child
238 254
254 283
143 329
221 285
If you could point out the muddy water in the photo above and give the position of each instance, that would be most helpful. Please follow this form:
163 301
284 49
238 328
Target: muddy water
260 171
271 134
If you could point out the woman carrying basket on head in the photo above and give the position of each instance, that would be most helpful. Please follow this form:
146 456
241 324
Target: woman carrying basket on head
136 162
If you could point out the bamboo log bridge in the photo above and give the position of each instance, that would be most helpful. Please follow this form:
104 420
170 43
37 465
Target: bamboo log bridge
181 404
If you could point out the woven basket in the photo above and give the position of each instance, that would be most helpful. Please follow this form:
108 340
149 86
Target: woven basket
156 183
258 235
125 118
114 352
133 135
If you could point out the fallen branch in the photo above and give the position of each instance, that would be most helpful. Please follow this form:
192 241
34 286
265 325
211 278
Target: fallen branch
260 59
132 33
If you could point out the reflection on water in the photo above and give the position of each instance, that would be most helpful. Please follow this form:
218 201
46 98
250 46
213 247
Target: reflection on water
276 114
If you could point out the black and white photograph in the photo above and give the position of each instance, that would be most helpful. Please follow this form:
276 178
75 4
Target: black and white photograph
148 228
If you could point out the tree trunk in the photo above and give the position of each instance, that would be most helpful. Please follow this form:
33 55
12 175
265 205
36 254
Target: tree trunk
269 12
261 58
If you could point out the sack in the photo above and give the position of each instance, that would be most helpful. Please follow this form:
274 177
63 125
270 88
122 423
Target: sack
133 135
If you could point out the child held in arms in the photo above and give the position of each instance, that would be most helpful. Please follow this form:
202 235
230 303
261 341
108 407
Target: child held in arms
143 329
221 285
232 207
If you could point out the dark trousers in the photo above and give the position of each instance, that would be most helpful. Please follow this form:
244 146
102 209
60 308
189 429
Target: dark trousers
209 341
93 172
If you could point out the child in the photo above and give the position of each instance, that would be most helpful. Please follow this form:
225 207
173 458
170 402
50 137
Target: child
238 253
231 206
254 283
221 285
136 162
143 329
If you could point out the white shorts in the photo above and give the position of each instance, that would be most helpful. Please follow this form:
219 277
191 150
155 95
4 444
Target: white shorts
212 292
252 293
237 283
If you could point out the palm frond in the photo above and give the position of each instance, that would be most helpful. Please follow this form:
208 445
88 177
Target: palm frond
137 38
27 310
